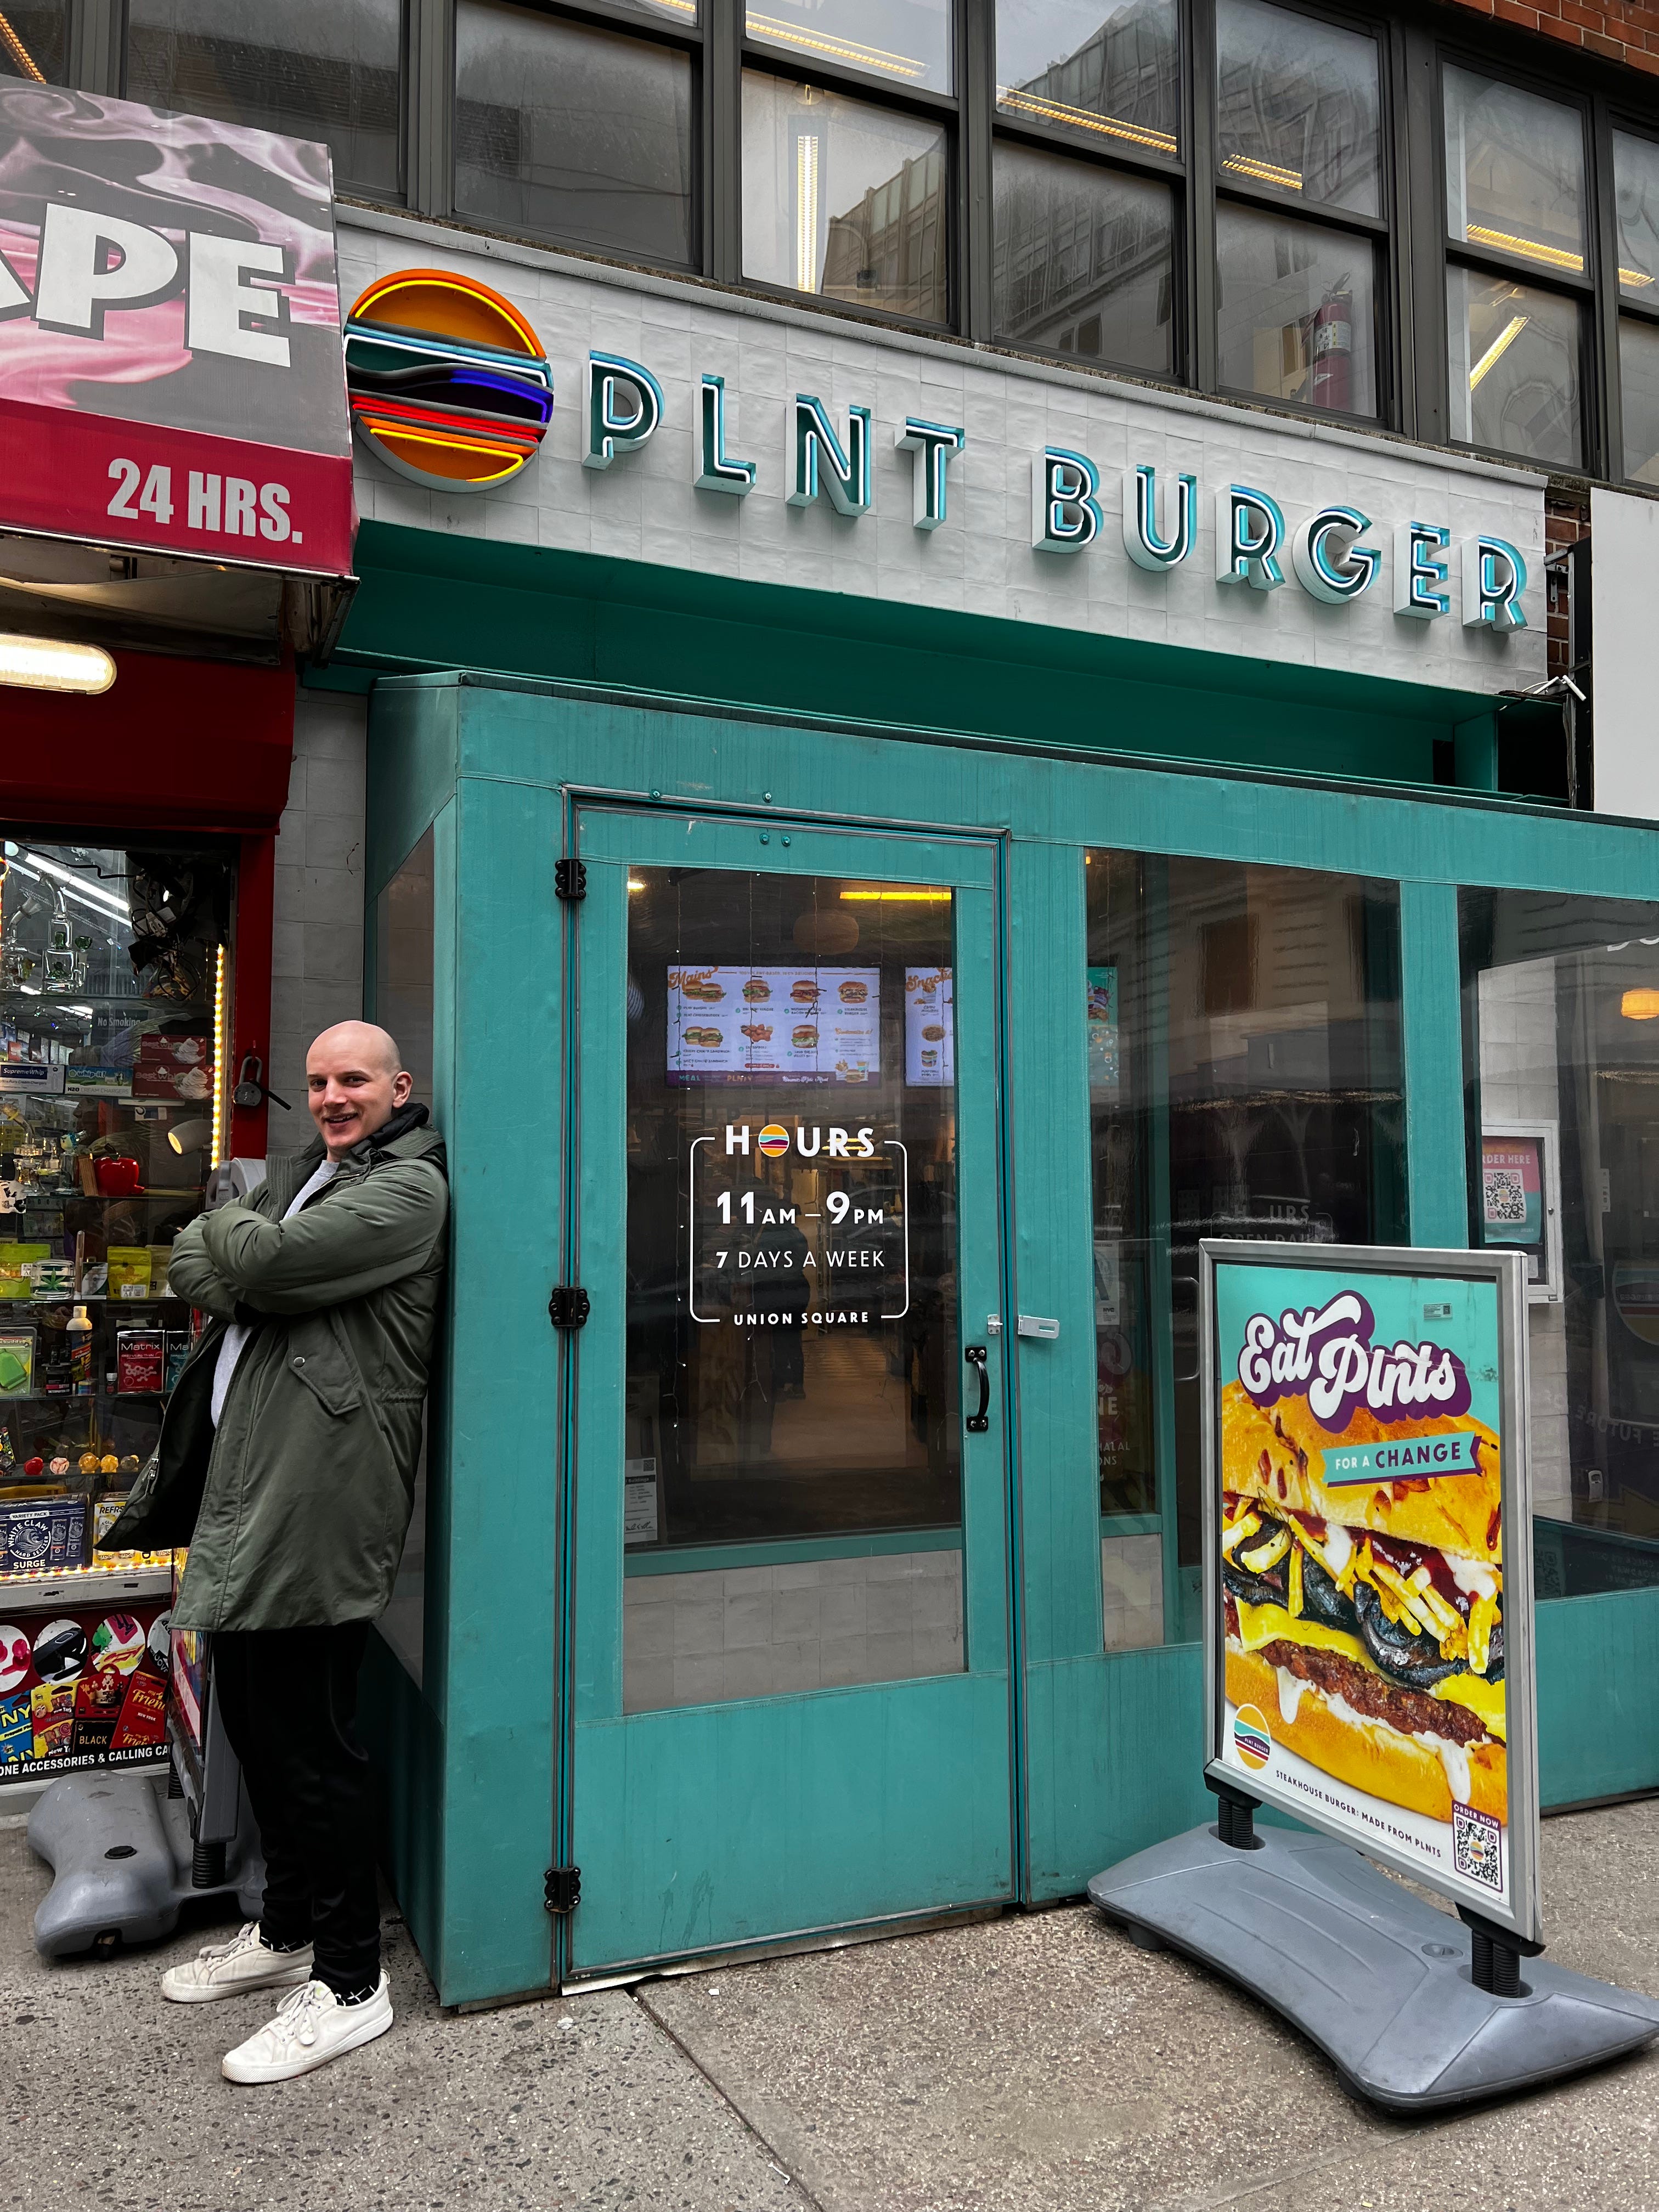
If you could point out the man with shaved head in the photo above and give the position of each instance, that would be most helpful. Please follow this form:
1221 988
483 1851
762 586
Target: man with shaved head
287 1464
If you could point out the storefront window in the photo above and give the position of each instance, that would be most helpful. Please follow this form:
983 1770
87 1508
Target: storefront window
1085 259
330 69
793 1486
1297 315
114 984
1244 1080
35 41
845 200
570 133
899 42
1107 69
1561 1039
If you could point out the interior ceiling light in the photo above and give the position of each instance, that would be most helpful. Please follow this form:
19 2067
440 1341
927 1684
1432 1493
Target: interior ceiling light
1553 256
1081 119
46 664
1501 344
925 899
848 51
1265 172
1640 1006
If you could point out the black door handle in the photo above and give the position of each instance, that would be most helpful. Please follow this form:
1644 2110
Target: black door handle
978 1423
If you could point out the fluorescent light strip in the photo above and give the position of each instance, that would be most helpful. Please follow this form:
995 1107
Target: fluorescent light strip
1505 339
48 664
1553 257
806 213
1636 280
895 898
1265 172
90 893
1080 119
835 49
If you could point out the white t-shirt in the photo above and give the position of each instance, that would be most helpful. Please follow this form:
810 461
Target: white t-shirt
235 1337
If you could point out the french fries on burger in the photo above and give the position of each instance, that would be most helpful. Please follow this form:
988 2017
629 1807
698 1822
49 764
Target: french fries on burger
1365 1619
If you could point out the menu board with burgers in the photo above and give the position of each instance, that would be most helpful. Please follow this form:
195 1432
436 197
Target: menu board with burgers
1367 1556
795 1025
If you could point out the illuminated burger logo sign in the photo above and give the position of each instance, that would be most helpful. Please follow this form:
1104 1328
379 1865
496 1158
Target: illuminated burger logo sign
448 382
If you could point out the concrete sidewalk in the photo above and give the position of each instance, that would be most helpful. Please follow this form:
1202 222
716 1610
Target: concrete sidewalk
1036 2064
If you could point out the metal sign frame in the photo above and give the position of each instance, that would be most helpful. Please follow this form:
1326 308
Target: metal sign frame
1506 1271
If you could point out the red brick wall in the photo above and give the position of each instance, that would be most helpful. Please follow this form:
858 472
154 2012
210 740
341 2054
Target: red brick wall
1617 32
1566 519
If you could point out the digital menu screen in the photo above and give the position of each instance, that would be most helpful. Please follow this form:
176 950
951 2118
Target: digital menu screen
793 1025
930 1040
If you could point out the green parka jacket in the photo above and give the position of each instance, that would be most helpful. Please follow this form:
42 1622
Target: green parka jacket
295 1508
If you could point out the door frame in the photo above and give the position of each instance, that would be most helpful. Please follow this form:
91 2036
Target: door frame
903 850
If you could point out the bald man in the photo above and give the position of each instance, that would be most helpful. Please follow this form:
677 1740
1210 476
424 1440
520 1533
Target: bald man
287 1463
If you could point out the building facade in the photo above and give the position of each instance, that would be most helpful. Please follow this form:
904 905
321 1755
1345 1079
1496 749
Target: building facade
988 639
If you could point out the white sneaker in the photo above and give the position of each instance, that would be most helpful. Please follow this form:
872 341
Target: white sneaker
311 2027
225 1970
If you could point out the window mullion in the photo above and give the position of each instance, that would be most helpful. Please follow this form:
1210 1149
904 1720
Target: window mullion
1202 289
722 149
1422 236
976 49
431 182
95 46
1604 247
1399 202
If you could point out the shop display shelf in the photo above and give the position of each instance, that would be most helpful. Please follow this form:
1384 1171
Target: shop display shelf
141 1574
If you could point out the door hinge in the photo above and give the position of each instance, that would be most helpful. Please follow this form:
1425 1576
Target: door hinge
570 879
563 1891
569 1306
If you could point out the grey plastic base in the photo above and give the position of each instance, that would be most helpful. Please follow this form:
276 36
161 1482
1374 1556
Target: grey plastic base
1378 1979
135 1893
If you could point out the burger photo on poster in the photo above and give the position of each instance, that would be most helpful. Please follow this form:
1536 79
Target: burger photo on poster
1363 1619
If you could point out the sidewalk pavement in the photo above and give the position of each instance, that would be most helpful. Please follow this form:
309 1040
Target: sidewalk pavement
1036 2064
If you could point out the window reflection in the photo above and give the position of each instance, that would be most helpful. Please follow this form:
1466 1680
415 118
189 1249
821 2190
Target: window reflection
1636 186
1297 318
1514 368
1297 106
1638 383
1244 1080
844 199
1110 73
35 41
900 42
320 69
1560 1001
1515 171
1083 260
572 133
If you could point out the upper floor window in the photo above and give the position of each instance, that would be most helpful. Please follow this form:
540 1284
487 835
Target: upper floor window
1516 275
898 42
1298 123
334 73
1108 74
35 41
1636 186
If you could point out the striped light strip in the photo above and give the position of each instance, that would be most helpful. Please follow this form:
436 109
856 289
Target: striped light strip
1505 339
1265 172
895 898
1553 256
835 49
219 1060
1080 119
806 212
1634 279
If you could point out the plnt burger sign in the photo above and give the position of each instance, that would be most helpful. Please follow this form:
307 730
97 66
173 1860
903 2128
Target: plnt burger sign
170 360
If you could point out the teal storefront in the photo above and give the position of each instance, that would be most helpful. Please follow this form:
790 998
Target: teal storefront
928 989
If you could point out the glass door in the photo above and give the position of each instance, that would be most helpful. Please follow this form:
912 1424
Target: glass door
787 1617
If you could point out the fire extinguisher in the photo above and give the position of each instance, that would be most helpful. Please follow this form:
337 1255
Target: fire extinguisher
1328 335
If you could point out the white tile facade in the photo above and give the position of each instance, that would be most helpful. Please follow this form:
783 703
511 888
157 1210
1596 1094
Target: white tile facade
644 507
317 953
703 1637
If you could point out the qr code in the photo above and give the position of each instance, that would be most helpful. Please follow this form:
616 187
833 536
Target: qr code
1477 1842
1506 1197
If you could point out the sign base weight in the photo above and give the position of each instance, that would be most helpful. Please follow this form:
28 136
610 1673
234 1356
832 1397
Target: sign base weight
1379 1980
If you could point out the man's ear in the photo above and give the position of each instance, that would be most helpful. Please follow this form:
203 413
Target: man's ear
403 1083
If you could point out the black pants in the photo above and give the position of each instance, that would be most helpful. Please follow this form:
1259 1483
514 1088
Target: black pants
289 1700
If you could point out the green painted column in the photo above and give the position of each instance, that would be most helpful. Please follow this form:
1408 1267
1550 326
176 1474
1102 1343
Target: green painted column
1432 1040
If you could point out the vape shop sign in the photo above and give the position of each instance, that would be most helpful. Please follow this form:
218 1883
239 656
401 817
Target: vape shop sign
1369 1640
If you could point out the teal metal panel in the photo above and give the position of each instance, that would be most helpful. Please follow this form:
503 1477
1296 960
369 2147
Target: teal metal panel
498 1528
1598 1718
1432 1044
413 736
717 1824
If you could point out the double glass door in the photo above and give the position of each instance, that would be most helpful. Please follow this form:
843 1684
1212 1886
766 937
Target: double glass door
788 1626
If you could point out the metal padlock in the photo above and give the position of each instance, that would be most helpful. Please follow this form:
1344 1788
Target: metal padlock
250 1087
